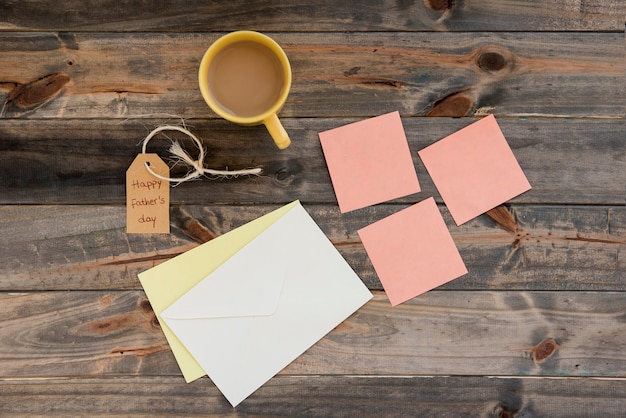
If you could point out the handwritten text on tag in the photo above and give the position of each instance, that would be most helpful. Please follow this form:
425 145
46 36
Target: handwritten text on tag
147 197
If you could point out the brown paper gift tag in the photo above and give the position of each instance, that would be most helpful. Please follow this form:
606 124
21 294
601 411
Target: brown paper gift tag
147 197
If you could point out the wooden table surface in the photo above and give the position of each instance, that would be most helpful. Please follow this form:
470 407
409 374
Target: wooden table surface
536 328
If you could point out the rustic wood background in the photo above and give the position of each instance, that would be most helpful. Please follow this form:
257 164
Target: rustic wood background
537 327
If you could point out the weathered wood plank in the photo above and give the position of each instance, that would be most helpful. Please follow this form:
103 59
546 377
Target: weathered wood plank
537 327
322 396
362 15
86 247
446 74
439 333
84 161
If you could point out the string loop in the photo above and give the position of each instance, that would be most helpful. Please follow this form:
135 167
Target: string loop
197 166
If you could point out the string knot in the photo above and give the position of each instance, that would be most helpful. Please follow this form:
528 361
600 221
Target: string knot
180 155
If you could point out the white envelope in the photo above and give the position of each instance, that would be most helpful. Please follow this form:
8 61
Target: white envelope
266 305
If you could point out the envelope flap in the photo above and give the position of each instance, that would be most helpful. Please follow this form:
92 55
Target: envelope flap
248 284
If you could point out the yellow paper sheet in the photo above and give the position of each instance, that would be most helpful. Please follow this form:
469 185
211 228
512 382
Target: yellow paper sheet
167 282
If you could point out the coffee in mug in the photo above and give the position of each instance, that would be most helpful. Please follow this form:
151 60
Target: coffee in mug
245 78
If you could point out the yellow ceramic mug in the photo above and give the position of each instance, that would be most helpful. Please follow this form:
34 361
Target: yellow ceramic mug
245 78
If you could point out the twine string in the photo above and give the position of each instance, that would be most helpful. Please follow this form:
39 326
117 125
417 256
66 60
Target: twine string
197 166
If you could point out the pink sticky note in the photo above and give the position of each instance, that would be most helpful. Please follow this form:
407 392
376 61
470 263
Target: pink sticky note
412 251
369 162
474 169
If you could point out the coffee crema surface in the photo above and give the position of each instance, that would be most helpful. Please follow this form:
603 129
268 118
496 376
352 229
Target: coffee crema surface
246 78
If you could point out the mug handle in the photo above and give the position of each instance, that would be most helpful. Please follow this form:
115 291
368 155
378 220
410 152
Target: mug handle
276 130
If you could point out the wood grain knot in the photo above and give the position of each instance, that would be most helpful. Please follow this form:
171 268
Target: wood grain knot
142 317
139 351
145 306
36 93
503 218
544 350
377 82
283 176
155 322
454 105
190 226
503 410
352 71
493 59
440 5
197 231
